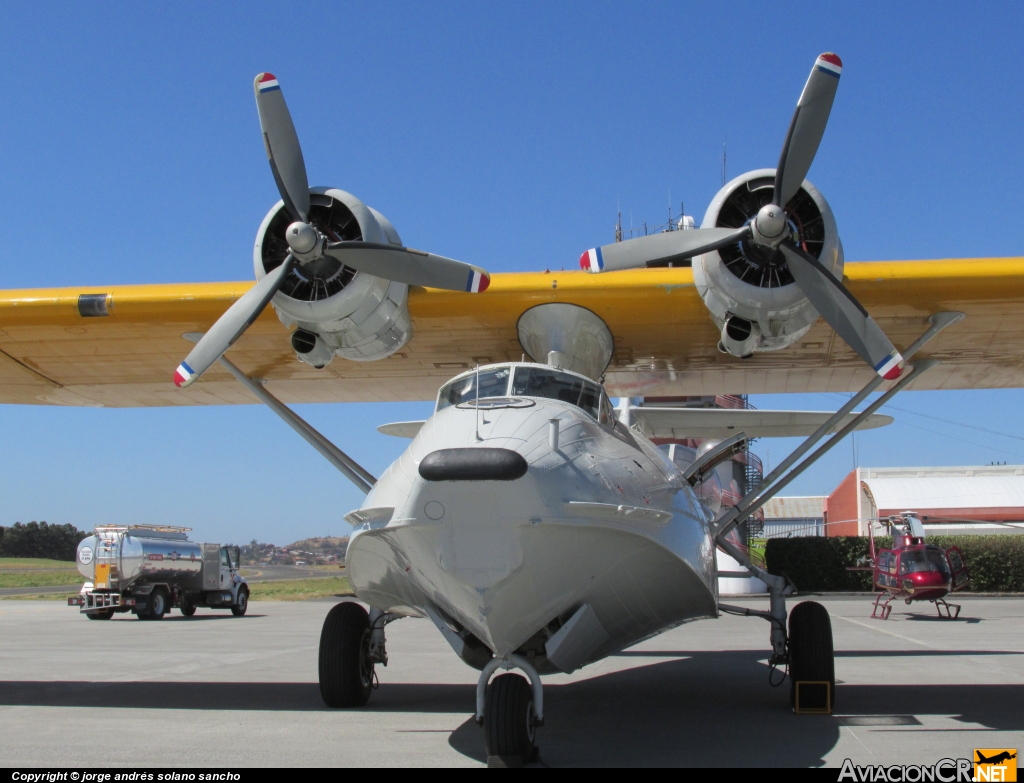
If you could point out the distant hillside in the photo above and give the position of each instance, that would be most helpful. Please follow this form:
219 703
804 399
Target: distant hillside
322 546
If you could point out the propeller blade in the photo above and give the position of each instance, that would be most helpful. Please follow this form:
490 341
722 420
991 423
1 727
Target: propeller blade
229 327
843 312
807 127
669 246
282 145
405 265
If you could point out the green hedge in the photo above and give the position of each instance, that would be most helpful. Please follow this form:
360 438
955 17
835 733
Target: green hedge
996 563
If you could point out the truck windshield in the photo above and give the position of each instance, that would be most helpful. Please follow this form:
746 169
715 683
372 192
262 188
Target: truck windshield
556 385
493 383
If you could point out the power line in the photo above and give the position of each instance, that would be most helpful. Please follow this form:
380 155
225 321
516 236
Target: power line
962 440
944 421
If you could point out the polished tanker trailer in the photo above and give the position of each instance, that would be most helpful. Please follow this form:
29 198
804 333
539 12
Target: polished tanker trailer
148 569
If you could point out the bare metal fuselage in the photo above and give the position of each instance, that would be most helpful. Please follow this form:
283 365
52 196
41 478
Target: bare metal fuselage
605 521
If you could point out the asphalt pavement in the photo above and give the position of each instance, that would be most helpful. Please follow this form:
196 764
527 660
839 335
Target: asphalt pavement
239 692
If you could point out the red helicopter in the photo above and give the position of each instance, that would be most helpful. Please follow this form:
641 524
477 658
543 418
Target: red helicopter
913 570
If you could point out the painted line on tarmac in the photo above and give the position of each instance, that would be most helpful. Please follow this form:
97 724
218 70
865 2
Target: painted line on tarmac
882 630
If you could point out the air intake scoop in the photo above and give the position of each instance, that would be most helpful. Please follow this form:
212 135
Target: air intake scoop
475 464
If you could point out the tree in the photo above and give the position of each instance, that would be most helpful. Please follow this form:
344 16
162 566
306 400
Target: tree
39 539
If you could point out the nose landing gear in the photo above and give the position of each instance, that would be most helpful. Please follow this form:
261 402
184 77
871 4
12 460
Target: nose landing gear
510 709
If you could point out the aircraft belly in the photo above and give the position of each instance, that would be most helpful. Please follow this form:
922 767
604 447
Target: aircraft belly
503 574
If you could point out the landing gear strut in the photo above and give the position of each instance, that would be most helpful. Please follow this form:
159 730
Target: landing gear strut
510 709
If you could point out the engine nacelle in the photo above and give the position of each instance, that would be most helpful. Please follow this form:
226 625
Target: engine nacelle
748 288
336 309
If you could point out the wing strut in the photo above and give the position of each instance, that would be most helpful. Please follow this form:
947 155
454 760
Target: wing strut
778 586
351 469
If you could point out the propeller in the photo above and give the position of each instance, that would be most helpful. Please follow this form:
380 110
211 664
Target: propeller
307 244
769 227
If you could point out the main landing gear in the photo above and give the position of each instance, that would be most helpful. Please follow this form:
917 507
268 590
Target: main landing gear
812 668
351 643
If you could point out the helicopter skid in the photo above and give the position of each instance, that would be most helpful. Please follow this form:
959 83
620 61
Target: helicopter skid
882 609
952 611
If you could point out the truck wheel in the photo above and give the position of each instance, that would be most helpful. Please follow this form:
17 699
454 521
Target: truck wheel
158 604
346 671
103 614
241 603
188 608
811 657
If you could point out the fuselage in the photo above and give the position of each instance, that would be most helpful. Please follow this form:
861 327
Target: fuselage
600 519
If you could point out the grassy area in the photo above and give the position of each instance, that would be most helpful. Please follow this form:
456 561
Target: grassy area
757 546
7 563
40 579
62 597
299 589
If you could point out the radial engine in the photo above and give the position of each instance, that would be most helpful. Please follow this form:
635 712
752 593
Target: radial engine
336 309
747 286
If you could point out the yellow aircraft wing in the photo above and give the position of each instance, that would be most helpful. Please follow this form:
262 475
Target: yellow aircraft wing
665 341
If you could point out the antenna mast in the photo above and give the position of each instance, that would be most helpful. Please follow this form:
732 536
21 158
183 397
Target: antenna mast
725 152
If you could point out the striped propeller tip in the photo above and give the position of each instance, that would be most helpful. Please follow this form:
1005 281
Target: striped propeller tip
183 375
478 282
830 63
592 260
265 82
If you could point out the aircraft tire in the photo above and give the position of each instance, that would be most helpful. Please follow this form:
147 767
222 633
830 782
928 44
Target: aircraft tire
346 672
509 730
187 608
103 614
811 654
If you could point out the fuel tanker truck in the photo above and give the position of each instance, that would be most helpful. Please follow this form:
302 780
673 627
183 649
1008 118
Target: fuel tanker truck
148 569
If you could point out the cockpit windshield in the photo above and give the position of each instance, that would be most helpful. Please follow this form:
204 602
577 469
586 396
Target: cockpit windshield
929 559
556 385
493 383
527 381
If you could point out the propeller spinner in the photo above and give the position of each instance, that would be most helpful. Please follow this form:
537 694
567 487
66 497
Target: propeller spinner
307 244
833 301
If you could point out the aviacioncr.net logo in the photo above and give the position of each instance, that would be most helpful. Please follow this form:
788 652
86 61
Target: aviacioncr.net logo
942 771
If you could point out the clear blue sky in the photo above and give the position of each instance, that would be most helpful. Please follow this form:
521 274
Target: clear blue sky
499 133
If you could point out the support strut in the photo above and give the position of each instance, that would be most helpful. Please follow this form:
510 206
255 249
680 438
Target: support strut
355 473
774 482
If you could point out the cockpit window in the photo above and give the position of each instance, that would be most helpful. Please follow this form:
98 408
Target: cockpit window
555 385
493 383
923 560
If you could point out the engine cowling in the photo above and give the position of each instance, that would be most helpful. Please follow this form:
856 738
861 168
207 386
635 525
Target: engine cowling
748 288
336 310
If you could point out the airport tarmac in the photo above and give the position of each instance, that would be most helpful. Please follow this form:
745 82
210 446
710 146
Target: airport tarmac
239 692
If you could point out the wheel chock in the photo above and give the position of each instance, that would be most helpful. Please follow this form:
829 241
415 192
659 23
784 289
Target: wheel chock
813 697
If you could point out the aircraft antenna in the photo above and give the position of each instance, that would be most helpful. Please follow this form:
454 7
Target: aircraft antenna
725 153
477 405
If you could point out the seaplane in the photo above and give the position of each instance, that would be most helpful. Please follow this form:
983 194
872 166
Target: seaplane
536 525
